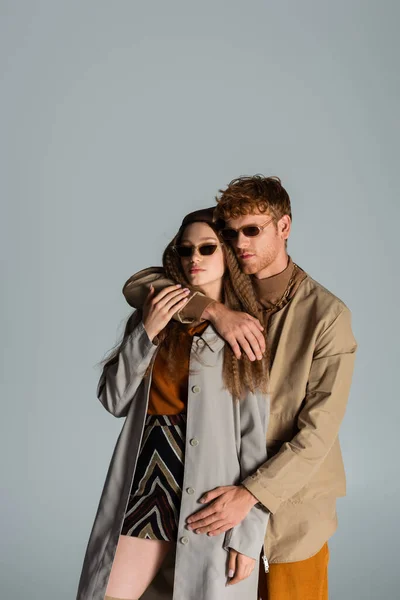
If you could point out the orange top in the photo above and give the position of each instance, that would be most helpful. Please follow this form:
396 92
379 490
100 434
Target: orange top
168 392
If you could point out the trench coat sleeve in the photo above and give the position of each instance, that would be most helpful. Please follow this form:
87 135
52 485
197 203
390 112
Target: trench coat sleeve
248 536
137 287
120 380
318 422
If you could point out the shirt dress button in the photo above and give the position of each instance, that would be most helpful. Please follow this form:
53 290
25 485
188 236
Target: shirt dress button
190 490
200 343
184 540
194 442
196 389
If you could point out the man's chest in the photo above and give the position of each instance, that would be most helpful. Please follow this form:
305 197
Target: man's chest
292 343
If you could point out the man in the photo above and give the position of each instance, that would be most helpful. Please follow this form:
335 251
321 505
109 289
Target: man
312 356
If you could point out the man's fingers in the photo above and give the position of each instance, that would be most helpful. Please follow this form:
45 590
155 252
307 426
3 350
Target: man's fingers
202 514
212 494
255 321
213 526
244 344
204 522
254 344
222 529
257 332
235 346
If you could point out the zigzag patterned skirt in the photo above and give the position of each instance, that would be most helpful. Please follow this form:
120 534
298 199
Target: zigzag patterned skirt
154 502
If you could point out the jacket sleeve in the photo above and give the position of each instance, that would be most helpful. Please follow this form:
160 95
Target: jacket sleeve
318 421
248 536
121 378
137 288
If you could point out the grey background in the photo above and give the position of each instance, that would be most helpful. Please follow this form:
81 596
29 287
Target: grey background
116 119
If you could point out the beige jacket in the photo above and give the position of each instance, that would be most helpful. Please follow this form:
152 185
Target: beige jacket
313 351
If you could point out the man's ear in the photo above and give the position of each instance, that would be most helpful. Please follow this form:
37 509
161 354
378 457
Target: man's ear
284 226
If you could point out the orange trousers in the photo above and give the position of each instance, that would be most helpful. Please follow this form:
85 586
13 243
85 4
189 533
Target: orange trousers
302 580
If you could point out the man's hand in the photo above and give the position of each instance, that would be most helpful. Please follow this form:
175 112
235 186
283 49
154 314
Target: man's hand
240 566
240 330
230 504
159 309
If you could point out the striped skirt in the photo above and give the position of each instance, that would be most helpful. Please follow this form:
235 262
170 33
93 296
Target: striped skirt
155 498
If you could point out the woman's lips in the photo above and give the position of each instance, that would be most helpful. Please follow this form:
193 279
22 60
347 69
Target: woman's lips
195 270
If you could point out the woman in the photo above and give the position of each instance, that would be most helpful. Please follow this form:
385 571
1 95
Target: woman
196 418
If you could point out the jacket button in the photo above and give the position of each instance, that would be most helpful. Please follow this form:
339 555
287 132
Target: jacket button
196 389
190 490
194 442
184 540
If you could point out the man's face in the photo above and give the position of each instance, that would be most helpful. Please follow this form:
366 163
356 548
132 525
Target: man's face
257 254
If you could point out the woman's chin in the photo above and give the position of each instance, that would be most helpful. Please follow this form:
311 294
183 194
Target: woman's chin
197 279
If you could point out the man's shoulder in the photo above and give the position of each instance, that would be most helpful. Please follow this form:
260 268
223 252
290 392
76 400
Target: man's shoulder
321 298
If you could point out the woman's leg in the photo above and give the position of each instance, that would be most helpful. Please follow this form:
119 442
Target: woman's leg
135 565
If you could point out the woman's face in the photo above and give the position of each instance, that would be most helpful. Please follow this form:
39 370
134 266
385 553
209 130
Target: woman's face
203 270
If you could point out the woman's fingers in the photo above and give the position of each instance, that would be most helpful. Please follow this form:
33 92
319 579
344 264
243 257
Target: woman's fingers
170 299
173 300
244 568
232 563
177 307
165 292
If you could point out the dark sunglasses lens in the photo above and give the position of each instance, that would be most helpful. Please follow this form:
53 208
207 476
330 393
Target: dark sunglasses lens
229 234
251 231
184 251
207 249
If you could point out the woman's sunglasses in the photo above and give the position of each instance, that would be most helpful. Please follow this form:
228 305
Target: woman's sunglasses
230 234
188 251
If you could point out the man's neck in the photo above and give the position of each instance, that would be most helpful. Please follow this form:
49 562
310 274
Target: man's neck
279 265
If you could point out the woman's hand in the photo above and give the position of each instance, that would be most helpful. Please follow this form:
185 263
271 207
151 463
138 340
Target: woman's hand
158 310
240 566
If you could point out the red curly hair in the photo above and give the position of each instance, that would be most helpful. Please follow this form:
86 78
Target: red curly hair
249 195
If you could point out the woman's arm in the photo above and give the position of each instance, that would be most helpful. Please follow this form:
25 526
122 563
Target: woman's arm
248 536
122 376
137 287
242 331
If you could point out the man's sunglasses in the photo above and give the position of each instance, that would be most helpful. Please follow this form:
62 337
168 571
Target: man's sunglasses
230 234
188 251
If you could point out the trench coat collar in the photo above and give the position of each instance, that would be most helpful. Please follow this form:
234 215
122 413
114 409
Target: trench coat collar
212 340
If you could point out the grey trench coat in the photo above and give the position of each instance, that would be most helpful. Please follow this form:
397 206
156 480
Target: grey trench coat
225 442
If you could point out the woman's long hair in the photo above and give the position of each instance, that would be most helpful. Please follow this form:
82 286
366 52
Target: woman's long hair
238 294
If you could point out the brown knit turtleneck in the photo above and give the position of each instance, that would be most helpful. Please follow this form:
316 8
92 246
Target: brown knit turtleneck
271 289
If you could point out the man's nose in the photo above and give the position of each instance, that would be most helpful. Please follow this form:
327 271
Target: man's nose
242 241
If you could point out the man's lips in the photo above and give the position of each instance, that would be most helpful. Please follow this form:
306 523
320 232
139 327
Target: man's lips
245 256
